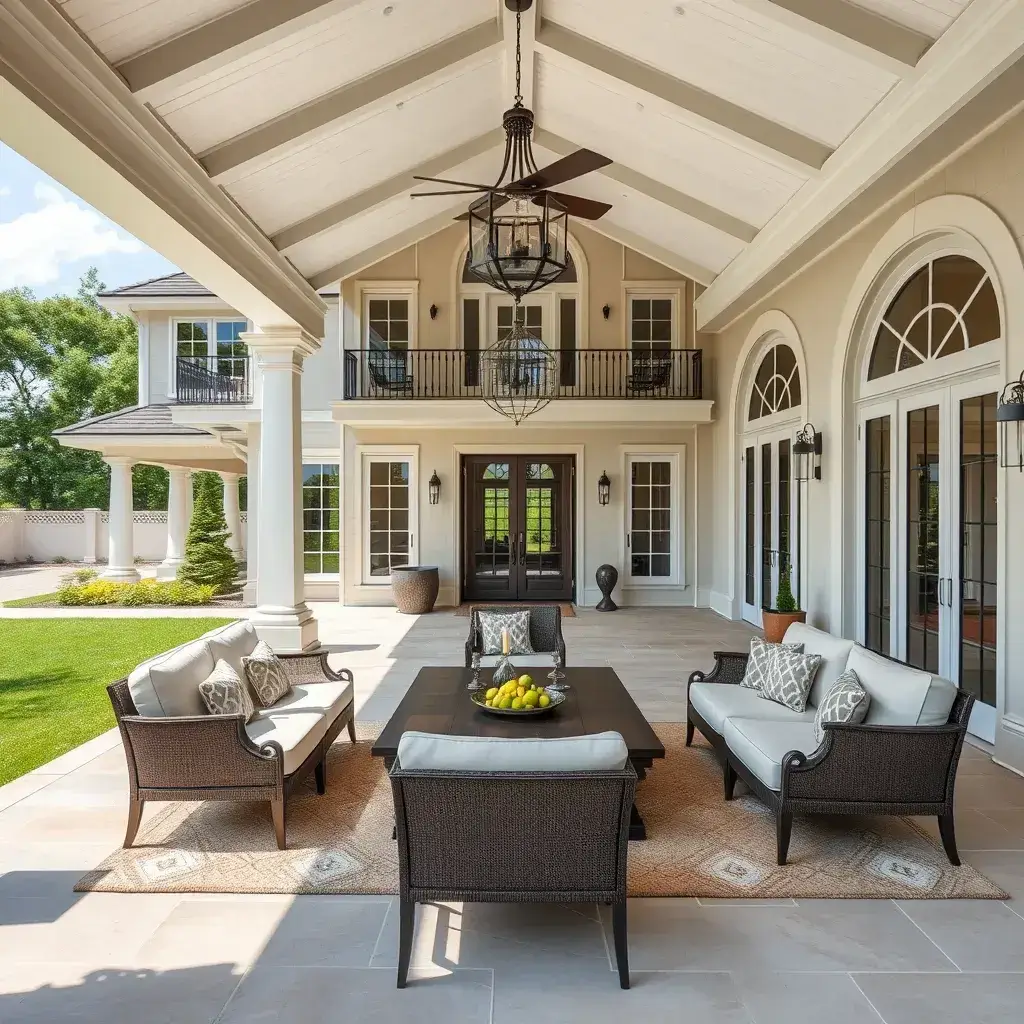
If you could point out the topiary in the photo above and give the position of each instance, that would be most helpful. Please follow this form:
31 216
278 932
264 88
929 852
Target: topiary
784 600
208 561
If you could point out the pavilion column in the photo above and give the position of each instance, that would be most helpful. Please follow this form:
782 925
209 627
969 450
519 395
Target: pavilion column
231 516
252 518
178 514
121 549
282 617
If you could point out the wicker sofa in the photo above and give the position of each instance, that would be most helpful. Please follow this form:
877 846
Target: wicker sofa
176 750
901 760
545 629
493 820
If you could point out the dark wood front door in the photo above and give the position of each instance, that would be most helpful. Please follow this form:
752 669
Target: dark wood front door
517 528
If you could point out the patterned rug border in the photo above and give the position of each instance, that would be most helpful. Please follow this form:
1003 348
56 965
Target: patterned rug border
361 865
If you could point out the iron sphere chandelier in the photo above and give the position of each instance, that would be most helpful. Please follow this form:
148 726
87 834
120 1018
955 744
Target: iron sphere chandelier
518 373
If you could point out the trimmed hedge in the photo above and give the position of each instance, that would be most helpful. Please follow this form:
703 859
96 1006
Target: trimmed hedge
82 588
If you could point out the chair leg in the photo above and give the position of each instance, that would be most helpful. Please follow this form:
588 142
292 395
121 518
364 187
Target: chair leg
783 830
406 927
621 945
277 811
948 833
689 732
729 778
352 729
320 775
134 820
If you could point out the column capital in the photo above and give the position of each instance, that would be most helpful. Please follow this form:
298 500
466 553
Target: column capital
280 347
119 460
228 477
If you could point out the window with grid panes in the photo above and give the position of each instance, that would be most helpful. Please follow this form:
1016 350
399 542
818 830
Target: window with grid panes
388 527
388 324
650 324
531 316
231 352
651 541
321 518
192 339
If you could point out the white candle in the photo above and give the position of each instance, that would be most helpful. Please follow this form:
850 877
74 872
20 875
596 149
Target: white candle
504 642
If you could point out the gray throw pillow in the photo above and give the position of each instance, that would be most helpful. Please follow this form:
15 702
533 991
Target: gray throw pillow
224 693
789 680
266 675
846 701
518 626
760 660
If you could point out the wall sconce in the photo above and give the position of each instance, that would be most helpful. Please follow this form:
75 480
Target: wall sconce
807 453
604 489
1010 417
606 311
433 311
434 487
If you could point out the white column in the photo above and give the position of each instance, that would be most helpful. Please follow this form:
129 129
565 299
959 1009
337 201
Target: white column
282 617
252 490
92 542
180 487
231 517
121 549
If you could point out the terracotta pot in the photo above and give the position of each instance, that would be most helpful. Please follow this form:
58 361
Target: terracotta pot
775 623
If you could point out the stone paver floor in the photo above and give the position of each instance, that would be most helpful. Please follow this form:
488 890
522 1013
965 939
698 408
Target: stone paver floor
181 959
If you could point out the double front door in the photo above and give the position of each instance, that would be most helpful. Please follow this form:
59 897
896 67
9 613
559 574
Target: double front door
517 528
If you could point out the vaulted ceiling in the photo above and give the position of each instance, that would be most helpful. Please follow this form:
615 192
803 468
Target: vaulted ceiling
736 127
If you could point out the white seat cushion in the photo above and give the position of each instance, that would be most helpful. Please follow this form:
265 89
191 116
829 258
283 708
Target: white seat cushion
716 702
328 699
233 642
901 695
761 745
168 685
833 650
298 734
425 751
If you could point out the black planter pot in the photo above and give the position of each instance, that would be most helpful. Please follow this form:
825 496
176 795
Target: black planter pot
414 588
607 576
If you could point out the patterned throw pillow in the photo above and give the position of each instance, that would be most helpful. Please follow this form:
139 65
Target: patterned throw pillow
760 660
266 675
224 693
789 679
846 701
518 626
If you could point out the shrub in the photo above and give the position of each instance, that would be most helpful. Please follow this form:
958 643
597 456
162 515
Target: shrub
60 560
208 562
784 600
96 592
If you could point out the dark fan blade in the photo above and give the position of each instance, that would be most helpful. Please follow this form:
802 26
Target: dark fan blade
460 192
461 184
577 206
575 165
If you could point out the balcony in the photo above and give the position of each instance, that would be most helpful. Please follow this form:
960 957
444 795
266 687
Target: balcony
214 380
583 373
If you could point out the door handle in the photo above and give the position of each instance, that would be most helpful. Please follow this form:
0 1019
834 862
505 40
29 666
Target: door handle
522 548
515 551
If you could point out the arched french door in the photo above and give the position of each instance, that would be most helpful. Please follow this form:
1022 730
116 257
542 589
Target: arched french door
769 494
928 477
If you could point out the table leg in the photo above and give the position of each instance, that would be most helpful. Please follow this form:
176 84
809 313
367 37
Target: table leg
637 828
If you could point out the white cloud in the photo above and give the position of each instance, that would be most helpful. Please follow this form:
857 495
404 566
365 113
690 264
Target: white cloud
35 245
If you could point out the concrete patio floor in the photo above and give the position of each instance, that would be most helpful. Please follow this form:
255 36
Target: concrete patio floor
181 959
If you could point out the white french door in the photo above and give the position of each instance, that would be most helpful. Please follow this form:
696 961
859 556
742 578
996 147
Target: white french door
928 590
535 313
770 520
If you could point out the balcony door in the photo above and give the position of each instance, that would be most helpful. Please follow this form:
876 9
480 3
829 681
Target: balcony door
517 528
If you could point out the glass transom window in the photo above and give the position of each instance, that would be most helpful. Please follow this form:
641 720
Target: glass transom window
776 384
321 517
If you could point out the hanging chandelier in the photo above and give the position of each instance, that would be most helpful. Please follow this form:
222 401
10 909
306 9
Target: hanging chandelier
519 373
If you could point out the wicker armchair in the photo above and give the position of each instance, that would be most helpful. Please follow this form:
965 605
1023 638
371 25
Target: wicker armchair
545 629
858 769
512 837
211 757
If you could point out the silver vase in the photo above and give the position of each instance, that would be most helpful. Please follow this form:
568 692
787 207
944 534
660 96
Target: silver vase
504 672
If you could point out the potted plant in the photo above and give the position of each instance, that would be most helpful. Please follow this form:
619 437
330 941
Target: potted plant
775 621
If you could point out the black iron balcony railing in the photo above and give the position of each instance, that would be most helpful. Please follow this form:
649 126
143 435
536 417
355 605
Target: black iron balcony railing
214 380
582 373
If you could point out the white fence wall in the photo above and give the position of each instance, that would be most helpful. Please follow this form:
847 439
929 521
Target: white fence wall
79 535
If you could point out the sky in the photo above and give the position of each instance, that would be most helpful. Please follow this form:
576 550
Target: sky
49 238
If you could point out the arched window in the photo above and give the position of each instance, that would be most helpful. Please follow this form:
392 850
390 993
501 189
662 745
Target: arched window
776 384
948 305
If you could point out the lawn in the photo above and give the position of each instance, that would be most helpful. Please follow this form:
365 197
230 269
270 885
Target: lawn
53 674
37 601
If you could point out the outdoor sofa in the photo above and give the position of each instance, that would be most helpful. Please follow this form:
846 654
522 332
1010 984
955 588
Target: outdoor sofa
176 750
484 819
901 760
545 630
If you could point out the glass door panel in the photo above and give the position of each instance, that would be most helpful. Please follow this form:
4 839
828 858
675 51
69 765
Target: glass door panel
545 540
749 535
489 529
877 533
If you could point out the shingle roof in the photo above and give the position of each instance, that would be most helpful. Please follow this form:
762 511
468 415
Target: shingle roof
149 420
172 286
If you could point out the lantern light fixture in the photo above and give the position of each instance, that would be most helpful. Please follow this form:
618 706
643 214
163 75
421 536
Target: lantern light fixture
807 453
1010 417
434 488
606 311
433 311
604 489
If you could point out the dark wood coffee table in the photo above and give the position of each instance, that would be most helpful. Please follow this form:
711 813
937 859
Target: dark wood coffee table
596 701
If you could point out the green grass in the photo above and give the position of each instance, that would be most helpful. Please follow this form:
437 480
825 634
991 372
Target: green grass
37 601
53 675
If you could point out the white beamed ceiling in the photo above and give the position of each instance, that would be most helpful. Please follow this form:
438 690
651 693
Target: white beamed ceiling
313 115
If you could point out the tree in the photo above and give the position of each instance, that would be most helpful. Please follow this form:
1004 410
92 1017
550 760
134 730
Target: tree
207 558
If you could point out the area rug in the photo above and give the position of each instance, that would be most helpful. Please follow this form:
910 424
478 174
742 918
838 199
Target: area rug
568 611
698 845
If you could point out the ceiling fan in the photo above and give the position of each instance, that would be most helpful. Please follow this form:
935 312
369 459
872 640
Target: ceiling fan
520 177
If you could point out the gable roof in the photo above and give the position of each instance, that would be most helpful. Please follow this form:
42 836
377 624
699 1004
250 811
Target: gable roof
149 420
171 286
